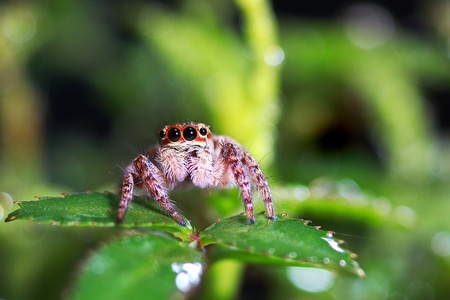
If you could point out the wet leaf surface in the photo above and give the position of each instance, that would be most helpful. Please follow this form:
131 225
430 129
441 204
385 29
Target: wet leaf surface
285 241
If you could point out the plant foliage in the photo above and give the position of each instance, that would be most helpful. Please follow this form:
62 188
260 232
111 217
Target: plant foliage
162 257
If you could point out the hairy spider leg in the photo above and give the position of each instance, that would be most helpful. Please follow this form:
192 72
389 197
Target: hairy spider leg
148 177
234 158
126 196
261 184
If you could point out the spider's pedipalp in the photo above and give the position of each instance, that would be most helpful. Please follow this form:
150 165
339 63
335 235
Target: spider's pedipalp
201 169
172 164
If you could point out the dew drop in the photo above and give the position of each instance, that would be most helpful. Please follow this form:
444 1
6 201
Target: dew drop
333 244
182 282
188 275
313 259
342 263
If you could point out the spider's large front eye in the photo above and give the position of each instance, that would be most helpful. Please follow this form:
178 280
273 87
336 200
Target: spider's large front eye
174 134
189 133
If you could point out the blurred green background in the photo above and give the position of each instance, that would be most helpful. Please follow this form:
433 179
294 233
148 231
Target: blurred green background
344 104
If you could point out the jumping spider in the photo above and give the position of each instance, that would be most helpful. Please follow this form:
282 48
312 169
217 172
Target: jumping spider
190 152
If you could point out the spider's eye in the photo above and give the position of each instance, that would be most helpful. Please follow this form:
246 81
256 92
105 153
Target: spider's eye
203 131
189 133
162 134
174 134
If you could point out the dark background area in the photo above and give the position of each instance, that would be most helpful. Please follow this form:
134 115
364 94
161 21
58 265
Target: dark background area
74 103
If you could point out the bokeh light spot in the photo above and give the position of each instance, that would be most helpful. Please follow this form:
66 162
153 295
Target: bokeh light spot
19 26
368 25
274 55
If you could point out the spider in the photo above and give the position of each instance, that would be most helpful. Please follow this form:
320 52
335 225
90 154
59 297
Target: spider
190 152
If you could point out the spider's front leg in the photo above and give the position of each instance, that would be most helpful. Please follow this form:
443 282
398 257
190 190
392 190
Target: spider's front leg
144 174
126 196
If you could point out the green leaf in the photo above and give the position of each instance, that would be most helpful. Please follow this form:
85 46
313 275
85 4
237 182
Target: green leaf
95 209
140 267
285 241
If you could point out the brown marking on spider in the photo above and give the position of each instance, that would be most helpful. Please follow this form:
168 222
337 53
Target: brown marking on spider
190 152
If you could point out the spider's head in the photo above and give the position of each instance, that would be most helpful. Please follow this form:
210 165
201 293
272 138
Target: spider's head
188 134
